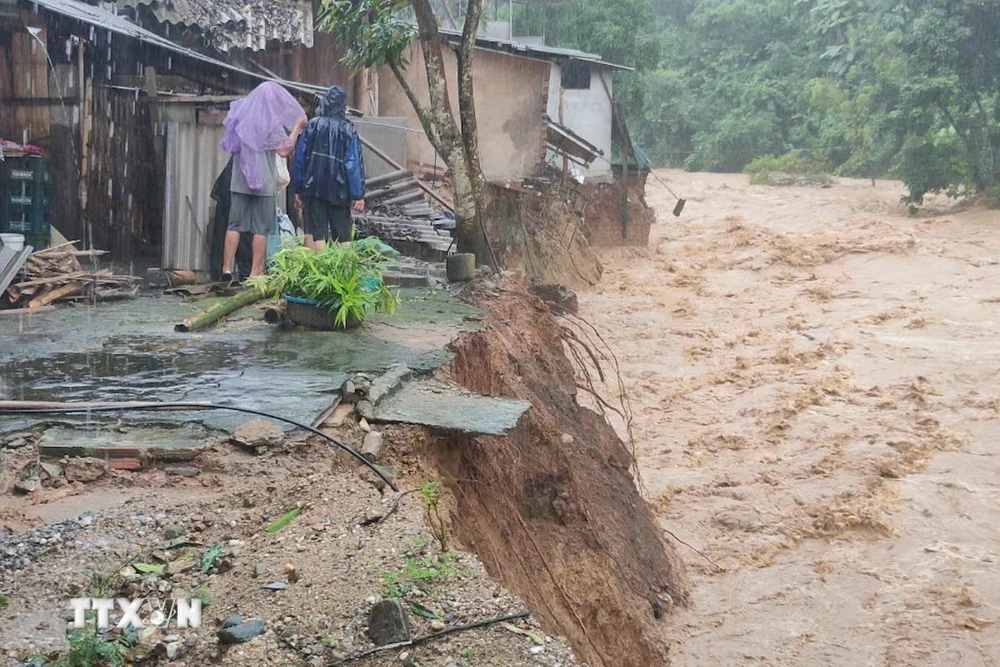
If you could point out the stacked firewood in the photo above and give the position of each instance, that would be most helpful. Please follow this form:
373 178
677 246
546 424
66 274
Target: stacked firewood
56 273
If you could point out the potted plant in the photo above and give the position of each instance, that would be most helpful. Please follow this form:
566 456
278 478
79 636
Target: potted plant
334 288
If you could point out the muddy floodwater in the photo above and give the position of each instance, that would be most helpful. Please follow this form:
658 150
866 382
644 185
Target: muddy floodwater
128 351
814 376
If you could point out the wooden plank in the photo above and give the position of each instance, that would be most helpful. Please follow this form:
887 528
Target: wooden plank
395 165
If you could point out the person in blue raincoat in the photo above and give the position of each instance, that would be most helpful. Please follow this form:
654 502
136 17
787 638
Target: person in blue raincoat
328 173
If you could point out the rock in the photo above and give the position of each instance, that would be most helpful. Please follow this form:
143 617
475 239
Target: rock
560 297
259 570
29 485
388 623
567 439
364 425
437 626
84 469
16 443
275 586
51 471
406 659
535 650
258 434
243 632
373 446
232 620
179 566
173 531
174 650
183 471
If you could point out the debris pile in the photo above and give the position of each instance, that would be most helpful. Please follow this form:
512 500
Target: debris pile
56 273
398 212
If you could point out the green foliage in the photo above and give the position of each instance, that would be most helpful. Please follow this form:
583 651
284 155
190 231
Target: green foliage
905 89
432 513
211 554
423 571
346 279
88 648
764 170
283 520
4 602
372 32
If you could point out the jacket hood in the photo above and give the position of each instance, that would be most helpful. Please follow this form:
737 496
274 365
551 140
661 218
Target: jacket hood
334 104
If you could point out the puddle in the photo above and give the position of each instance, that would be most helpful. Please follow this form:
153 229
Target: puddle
129 352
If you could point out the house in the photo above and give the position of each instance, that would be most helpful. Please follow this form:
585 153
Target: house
534 103
130 119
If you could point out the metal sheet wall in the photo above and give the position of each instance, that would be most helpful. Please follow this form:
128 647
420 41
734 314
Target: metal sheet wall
194 161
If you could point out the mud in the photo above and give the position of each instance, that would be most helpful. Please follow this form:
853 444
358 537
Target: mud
552 509
814 381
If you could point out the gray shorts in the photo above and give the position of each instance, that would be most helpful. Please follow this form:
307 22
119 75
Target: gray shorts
325 221
254 214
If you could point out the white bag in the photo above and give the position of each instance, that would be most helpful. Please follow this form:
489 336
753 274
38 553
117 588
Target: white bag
284 178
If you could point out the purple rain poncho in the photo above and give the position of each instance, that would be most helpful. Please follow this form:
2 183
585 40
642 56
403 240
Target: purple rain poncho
258 123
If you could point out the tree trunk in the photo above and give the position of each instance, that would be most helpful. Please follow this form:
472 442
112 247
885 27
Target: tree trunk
458 147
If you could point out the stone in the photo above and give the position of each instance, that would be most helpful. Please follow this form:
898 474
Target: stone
84 469
567 439
372 446
388 623
183 471
561 298
437 626
51 471
16 443
257 434
243 632
29 485
364 425
179 566
174 650
275 586
259 570
232 620
173 531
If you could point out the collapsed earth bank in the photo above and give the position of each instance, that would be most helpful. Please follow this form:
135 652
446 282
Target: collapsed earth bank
552 510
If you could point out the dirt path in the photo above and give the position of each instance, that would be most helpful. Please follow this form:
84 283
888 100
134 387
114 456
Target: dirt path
814 376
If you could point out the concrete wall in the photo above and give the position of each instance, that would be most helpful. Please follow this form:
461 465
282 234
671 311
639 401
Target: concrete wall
586 112
511 96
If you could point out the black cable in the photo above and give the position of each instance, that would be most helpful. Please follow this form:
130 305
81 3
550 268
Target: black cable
142 407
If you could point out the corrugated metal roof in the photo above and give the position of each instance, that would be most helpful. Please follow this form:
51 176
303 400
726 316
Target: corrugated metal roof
194 161
235 24
534 50
11 262
100 18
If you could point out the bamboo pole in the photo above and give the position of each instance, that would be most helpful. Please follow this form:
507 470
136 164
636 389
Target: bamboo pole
219 310
275 312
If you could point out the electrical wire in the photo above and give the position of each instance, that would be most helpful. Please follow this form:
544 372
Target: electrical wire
144 407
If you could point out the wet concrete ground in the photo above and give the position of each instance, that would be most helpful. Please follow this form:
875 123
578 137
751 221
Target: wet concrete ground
128 351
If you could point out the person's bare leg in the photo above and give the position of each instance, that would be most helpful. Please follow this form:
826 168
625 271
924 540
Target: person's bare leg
259 248
229 251
318 246
310 241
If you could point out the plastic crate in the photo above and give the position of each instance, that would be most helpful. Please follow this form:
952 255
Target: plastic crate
24 200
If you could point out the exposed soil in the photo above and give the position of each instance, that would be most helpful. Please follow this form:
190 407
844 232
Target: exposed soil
350 546
552 509
813 373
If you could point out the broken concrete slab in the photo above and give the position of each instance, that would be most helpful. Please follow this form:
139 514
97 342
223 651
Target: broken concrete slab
372 446
447 406
388 623
257 434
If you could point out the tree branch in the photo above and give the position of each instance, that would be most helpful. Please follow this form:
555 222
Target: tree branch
423 114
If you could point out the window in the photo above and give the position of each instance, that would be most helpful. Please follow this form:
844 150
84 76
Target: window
575 75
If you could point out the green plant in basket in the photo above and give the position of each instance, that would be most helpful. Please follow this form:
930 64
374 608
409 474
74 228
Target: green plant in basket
345 279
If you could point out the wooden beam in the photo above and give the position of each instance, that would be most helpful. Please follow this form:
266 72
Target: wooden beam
395 165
